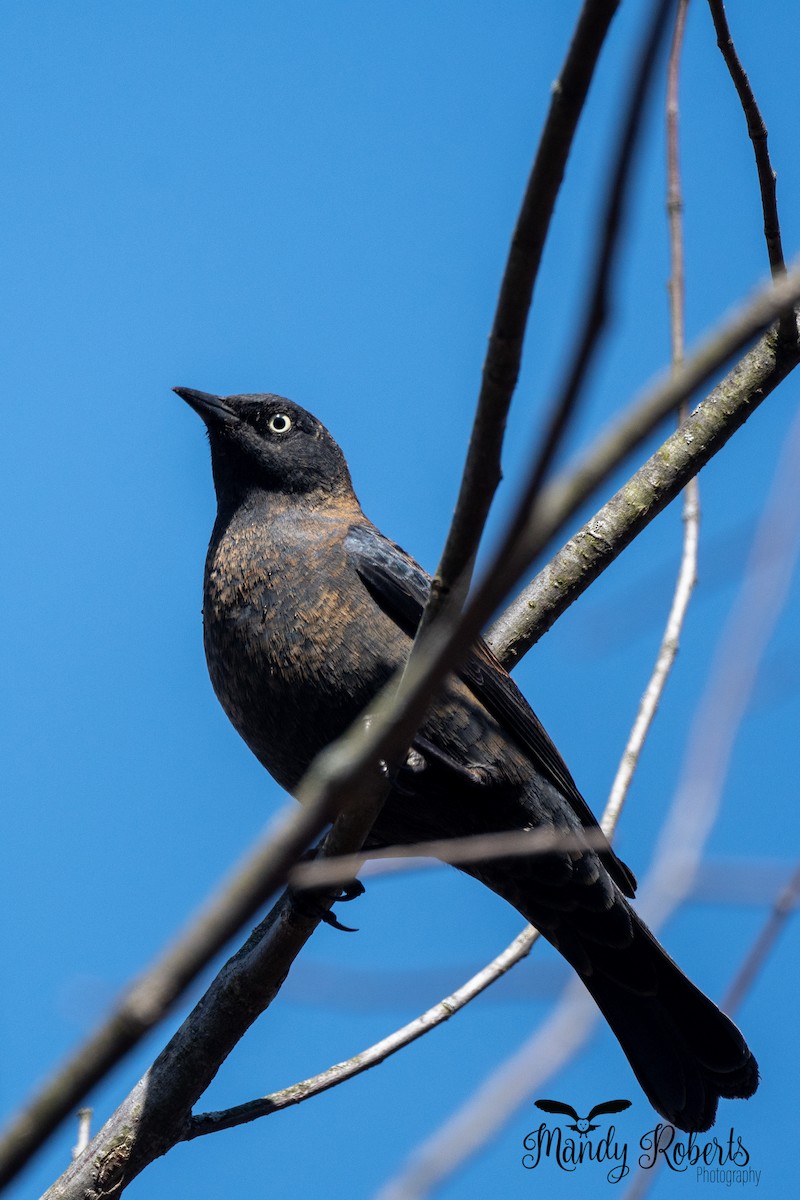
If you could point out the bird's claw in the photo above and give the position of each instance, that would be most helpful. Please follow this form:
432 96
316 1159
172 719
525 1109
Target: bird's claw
311 907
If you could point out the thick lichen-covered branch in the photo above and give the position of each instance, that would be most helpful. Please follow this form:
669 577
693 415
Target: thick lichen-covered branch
657 482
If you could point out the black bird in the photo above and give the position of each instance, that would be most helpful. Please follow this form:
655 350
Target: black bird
308 609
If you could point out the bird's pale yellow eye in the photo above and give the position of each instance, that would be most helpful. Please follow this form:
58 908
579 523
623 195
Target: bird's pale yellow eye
279 423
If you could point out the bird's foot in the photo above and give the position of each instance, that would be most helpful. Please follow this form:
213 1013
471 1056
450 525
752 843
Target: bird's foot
311 903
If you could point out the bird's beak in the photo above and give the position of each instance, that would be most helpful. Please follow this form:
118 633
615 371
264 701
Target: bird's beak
212 409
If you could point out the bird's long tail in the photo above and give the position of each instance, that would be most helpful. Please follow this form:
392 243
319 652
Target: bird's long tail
684 1051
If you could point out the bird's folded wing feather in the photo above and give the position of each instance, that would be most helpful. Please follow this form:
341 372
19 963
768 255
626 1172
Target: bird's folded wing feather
401 588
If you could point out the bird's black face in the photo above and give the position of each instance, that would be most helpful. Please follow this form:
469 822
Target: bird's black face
266 443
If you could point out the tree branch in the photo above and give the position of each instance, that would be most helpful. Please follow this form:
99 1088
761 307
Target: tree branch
757 130
212 1122
687 569
482 471
655 485
479 847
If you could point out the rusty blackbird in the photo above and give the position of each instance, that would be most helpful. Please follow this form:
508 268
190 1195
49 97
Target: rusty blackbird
308 610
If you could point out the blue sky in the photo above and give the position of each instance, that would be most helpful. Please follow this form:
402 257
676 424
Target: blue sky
317 200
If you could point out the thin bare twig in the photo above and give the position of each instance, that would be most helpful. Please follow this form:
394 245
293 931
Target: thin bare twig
740 880
592 320
481 847
677 280
723 881
665 660
687 570
757 130
212 1122
733 675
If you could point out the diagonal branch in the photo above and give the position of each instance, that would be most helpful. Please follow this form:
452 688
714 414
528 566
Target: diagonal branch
655 485
481 473
600 278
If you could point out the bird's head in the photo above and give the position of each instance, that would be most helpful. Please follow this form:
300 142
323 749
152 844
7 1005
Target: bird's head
265 443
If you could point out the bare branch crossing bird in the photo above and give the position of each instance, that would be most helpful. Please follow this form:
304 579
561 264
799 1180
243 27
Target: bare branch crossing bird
308 610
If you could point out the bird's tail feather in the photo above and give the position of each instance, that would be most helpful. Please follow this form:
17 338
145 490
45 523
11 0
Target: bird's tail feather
683 1050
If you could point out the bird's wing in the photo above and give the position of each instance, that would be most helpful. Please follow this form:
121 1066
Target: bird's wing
609 1106
393 578
401 588
556 1106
